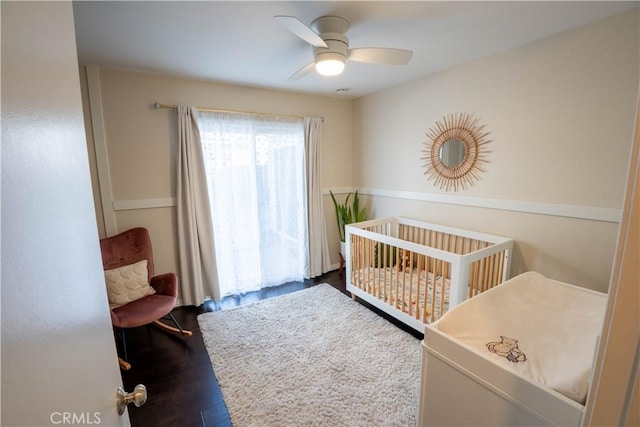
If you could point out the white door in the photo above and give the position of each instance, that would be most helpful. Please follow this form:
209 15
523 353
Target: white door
610 399
59 364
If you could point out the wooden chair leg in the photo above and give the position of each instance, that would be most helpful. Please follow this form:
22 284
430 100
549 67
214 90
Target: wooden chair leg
124 365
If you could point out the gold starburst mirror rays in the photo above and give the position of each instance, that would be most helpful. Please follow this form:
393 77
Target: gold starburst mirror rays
455 151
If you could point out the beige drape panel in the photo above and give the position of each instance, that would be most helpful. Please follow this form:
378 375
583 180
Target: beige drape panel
319 261
196 253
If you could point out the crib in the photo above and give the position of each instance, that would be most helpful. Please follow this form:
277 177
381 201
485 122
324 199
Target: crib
415 271
519 354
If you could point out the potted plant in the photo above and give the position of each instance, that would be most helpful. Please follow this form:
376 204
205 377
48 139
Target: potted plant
346 214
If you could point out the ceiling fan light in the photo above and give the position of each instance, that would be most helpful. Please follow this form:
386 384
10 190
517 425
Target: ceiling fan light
330 67
330 64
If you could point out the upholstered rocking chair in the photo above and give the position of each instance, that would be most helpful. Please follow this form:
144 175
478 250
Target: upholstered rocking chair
136 296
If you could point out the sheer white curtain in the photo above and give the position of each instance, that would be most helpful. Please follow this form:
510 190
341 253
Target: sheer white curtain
255 168
319 261
195 235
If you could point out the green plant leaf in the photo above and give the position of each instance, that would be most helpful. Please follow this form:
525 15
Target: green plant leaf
346 214
337 208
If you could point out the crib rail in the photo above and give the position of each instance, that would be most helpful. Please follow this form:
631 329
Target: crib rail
421 269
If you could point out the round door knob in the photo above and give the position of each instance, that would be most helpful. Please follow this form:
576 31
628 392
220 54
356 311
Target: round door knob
138 396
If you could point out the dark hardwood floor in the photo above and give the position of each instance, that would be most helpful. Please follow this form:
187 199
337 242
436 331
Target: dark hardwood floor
181 385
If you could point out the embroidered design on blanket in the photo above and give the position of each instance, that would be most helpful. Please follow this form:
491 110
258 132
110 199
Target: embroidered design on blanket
508 348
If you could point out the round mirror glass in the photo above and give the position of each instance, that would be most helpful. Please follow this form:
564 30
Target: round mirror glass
452 153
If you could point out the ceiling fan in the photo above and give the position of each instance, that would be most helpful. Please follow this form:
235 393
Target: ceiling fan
331 47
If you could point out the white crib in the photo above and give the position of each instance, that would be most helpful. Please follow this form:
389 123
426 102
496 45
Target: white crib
416 271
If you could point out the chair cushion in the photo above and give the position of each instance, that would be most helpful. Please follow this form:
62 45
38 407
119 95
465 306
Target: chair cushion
127 284
142 311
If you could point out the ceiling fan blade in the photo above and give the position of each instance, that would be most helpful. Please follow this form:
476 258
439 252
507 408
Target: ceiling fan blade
294 25
381 55
303 71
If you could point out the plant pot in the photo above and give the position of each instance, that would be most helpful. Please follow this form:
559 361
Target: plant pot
343 249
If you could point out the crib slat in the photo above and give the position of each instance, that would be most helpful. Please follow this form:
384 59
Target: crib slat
387 277
425 308
446 241
487 274
487 281
494 265
501 273
397 277
361 262
355 268
480 274
476 245
472 280
371 283
411 282
365 267
419 309
403 286
356 258
494 270
441 286
433 289
368 272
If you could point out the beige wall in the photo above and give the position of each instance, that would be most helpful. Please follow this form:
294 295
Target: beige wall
560 112
141 144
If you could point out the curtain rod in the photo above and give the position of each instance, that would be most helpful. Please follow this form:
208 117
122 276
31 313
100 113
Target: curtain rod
157 105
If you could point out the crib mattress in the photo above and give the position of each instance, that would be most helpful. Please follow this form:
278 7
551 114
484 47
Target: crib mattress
408 289
541 329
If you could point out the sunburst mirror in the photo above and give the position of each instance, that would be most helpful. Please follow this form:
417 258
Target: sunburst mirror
455 151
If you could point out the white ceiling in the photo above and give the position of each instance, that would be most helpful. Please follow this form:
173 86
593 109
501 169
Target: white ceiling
239 42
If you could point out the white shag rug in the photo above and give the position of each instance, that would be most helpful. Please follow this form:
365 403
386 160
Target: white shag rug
313 358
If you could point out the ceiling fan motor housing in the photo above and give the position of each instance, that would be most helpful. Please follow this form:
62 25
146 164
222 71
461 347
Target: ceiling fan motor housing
337 44
330 24
331 29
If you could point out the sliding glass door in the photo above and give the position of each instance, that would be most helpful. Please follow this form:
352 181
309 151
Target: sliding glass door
256 179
